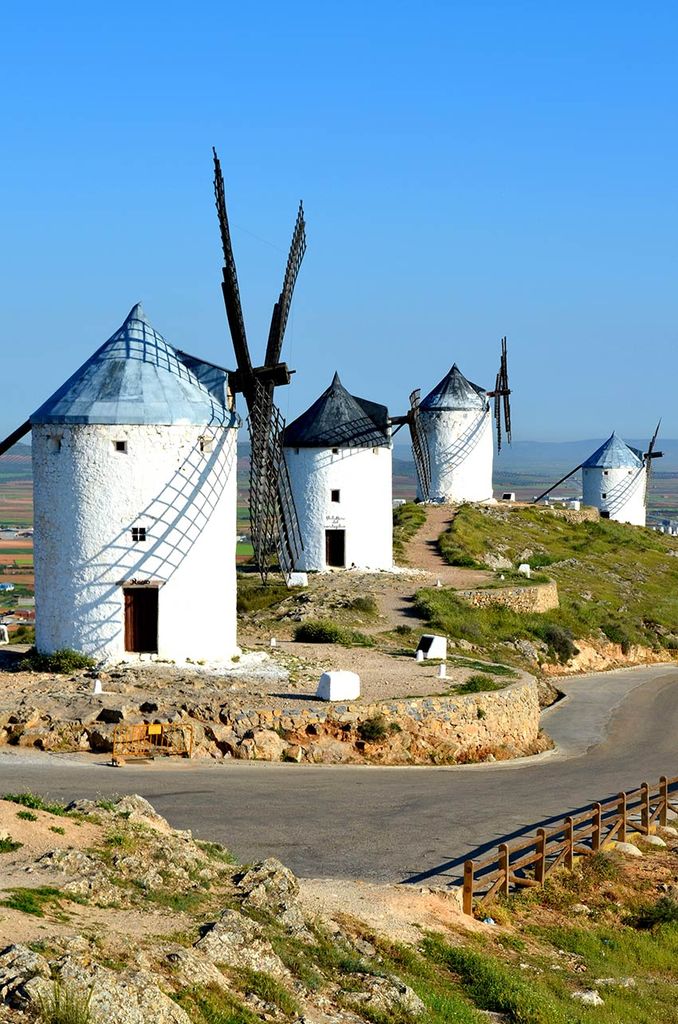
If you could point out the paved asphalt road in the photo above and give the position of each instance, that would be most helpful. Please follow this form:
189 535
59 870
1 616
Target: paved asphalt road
397 824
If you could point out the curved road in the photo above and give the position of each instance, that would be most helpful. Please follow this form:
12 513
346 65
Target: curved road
612 732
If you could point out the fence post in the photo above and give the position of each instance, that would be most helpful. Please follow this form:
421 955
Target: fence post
663 800
597 834
504 866
622 814
645 808
540 866
468 887
569 839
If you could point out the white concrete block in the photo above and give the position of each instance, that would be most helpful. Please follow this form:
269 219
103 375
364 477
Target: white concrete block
339 685
433 646
297 579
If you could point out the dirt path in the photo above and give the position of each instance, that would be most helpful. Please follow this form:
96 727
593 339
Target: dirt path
422 552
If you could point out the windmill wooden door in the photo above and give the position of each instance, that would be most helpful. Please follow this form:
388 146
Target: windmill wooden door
335 548
141 619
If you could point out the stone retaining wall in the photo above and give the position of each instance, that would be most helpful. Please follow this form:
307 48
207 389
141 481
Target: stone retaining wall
541 597
587 514
419 730
416 730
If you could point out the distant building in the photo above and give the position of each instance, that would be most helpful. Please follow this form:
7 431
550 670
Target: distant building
339 458
135 504
614 481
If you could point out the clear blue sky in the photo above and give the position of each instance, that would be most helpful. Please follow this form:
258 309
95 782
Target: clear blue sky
468 170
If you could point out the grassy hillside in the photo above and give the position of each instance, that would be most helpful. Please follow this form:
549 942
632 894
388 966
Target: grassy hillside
615 581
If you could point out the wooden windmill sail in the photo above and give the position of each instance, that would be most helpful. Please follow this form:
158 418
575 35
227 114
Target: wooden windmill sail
273 519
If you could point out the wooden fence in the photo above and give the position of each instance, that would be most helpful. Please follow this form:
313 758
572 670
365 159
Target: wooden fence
528 861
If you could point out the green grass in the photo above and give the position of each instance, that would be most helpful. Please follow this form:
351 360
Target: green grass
614 580
483 666
495 986
8 845
27 815
33 901
212 1005
320 631
478 684
407 519
268 988
489 627
64 661
253 596
216 852
65 1005
36 803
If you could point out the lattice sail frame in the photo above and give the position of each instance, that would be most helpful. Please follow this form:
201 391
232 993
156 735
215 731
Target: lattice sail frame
501 393
273 519
273 516
420 448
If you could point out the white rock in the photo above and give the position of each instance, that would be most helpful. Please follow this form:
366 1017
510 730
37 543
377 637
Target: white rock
628 848
339 685
581 908
524 568
668 830
654 840
589 997
297 579
618 982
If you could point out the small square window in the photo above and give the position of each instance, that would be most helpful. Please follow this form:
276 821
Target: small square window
54 443
206 444
604 472
138 534
334 495
120 446
335 451
604 495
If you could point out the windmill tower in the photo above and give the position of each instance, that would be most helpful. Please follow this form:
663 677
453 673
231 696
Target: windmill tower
273 517
339 459
134 492
616 480
451 430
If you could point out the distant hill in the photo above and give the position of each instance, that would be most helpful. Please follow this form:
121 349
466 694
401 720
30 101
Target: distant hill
544 456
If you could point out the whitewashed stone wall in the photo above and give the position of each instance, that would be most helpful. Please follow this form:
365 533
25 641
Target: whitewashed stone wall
460 447
624 490
363 477
87 499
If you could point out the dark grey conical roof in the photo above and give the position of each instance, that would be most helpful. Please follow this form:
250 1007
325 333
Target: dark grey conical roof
138 377
339 420
455 392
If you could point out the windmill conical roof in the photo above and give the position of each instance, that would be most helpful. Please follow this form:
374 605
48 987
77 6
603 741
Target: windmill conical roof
455 392
339 420
614 454
138 377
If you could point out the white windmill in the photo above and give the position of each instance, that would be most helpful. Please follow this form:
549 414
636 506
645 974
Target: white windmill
339 460
134 470
616 480
451 431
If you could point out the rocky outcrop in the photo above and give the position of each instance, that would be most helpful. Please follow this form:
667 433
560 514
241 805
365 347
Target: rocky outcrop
239 942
